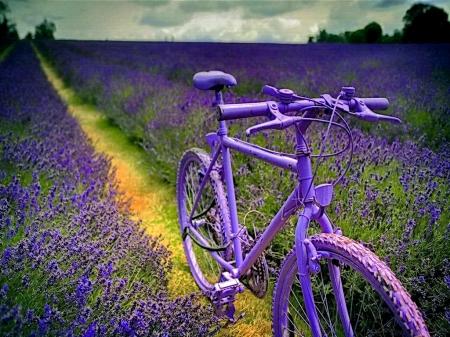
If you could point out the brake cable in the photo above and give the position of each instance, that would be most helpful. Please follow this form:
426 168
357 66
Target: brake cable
322 147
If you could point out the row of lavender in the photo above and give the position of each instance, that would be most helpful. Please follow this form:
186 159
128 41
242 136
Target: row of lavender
415 77
72 262
395 197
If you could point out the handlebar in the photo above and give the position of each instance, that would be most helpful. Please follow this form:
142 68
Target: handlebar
289 102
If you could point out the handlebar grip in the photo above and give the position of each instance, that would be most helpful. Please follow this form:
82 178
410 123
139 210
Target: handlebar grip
376 103
241 110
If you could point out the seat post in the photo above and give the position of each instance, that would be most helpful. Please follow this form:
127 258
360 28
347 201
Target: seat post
219 97
223 130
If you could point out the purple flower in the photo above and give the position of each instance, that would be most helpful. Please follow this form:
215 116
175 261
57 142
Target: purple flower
4 291
91 331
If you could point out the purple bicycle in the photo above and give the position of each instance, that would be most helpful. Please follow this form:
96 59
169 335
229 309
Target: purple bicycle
328 285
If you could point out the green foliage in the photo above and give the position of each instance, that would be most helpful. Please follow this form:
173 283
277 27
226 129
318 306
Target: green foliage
426 23
8 31
423 23
324 36
4 8
434 128
45 30
372 33
248 86
396 37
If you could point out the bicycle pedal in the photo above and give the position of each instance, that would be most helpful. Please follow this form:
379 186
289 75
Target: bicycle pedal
225 291
224 295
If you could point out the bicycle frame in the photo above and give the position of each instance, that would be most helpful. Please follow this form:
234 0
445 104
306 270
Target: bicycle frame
304 194
221 143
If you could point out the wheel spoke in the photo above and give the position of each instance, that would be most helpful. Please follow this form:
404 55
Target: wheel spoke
372 316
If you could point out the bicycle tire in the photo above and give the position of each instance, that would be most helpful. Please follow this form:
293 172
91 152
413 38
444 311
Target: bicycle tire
351 257
205 270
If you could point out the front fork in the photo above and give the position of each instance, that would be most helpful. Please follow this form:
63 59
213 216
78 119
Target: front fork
307 263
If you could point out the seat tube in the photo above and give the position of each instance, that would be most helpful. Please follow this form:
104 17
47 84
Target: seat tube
228 176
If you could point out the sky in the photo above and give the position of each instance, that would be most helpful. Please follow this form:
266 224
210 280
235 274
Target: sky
208 20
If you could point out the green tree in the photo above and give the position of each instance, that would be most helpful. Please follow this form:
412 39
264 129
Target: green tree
45 31
426 23
323 36
357 36
8 31
396 37
3 8
373 33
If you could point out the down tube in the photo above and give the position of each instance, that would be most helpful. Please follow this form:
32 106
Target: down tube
289 207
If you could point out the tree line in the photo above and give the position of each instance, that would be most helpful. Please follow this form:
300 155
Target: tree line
8 31
423 23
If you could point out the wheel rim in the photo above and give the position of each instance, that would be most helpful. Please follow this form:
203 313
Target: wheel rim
369 313
206 221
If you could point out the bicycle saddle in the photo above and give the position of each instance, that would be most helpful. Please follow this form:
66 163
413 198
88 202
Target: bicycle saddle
213 80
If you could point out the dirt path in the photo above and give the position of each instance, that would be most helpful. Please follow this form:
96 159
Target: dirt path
154 203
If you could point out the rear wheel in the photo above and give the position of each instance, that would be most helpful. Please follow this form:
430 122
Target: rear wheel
208 219
377 303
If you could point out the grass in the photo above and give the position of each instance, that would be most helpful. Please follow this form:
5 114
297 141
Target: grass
153 202
5 52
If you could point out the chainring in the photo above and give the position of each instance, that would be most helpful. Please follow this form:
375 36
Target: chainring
257 278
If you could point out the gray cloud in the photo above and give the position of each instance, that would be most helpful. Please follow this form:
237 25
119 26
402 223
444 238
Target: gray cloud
162 19
206 6
250 8
389 3
175 13
270 8
55 17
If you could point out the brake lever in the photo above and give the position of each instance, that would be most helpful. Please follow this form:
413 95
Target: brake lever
374 117
278 122
274 124
363 112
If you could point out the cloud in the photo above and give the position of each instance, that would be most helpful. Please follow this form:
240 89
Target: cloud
270 8
250 8
389 3
164 18
175 13
55 17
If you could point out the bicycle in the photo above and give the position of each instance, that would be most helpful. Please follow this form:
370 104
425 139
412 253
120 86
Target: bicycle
224 258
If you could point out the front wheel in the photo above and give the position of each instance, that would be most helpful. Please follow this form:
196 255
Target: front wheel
376 301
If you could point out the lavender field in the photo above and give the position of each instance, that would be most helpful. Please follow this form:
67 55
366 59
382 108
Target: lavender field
395 197
72 262
58 200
